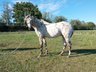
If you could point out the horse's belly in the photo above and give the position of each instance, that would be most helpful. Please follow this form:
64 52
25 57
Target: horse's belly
53 32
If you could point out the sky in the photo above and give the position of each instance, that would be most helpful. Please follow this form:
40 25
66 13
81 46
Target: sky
84 10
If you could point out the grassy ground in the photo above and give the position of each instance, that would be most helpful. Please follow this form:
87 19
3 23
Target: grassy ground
24 59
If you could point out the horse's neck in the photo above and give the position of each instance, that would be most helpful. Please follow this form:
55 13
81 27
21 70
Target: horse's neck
37 24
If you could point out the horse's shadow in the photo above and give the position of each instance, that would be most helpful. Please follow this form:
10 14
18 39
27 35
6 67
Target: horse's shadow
75 52
83 52
19 49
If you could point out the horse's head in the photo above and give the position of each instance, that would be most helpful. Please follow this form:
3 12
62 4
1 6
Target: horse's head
32 21
28 20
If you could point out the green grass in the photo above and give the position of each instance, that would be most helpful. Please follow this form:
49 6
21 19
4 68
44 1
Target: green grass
24 59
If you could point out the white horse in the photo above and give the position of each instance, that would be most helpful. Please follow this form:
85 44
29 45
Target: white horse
44 29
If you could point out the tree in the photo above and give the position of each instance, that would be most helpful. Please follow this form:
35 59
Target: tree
2 22
6 16
47 17
76 24
24 8
90 25
60 18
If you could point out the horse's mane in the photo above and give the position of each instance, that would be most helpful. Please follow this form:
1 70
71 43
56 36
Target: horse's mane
44 22
39 22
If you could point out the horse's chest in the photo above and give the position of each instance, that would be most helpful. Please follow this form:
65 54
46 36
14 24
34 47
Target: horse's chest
40 31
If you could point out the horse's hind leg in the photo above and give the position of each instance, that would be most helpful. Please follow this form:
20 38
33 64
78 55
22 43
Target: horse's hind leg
65 44
69 45
63 49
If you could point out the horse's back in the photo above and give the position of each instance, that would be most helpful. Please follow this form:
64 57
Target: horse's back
58 29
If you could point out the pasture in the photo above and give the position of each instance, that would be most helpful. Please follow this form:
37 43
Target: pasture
24 59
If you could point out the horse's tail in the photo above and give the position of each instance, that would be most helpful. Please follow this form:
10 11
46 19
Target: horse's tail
71 33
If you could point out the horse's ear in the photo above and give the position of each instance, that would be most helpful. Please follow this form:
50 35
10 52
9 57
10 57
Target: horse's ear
29 15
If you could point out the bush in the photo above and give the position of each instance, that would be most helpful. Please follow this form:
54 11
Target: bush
13 28
81 25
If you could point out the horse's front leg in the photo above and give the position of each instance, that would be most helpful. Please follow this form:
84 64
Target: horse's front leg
41 46
45 43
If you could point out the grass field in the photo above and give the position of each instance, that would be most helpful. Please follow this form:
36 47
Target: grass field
24 59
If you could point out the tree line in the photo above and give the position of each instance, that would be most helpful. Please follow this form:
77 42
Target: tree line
15 17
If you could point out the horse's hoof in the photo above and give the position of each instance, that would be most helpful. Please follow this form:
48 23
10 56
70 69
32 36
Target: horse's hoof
46 54
68 56
61 54
40 55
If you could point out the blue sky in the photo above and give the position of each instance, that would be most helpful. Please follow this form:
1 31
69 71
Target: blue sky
71 9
